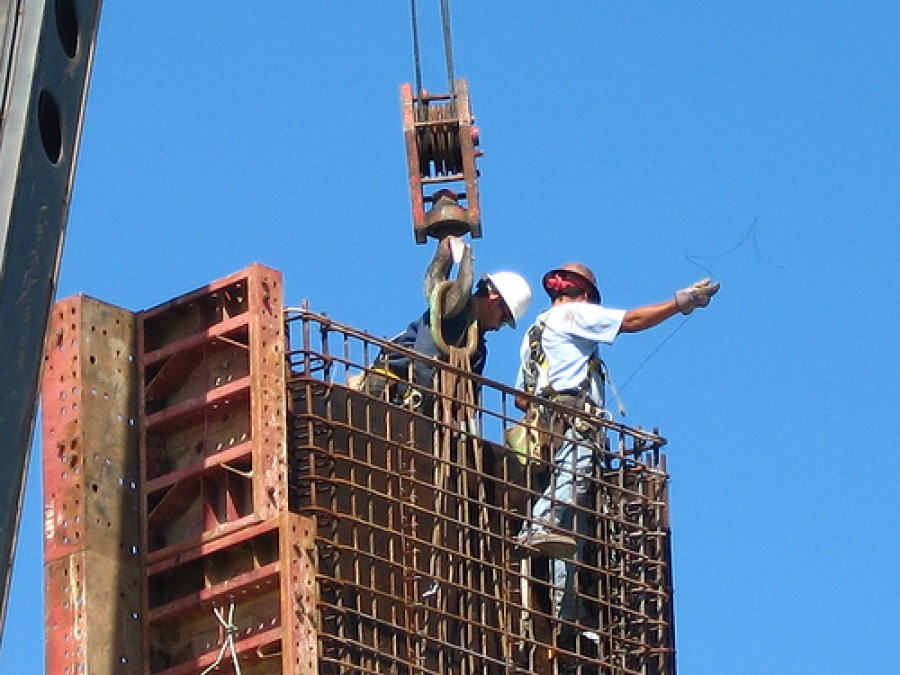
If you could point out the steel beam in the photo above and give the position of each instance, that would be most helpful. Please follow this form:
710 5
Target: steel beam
47 52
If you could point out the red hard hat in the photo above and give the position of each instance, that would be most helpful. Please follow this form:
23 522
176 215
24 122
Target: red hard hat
571 273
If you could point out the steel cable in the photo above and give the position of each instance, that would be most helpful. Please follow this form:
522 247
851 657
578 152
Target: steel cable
448 46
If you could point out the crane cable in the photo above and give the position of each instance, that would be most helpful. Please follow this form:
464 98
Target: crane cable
448 48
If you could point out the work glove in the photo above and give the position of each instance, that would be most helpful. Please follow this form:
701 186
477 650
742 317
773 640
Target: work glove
697 295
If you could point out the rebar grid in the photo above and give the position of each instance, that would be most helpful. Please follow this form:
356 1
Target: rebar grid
418 511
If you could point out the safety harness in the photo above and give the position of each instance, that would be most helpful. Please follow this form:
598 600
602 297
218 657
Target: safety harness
540 433
536 371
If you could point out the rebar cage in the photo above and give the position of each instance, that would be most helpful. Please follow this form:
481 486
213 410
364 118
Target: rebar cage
418 504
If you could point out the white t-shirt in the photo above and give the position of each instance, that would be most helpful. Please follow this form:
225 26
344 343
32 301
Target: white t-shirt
572 334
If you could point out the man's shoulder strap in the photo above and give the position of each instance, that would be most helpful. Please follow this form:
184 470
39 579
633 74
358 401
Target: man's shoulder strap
537 359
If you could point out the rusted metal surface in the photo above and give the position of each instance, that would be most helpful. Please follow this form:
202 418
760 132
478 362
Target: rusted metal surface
417 513
441 152
91 507
228 570
359 533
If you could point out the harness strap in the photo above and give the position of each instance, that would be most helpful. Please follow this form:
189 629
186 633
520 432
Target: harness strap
537 359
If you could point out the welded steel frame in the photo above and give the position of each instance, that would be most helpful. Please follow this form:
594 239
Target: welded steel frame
419 569
218 539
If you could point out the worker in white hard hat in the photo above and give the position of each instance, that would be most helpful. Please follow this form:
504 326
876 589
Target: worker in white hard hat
560 360
498 299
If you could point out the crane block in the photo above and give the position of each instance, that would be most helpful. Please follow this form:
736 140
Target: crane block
441 151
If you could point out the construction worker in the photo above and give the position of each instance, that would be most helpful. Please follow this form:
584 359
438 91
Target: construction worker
560 361
458 317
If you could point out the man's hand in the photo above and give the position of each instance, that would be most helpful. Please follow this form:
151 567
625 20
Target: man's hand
695 296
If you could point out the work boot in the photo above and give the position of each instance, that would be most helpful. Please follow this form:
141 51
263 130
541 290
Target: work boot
550 544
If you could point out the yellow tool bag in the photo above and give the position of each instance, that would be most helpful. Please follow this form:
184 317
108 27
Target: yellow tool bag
536 436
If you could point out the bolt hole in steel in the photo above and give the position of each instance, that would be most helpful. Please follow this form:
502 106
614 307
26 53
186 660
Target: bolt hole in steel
50 126
67 26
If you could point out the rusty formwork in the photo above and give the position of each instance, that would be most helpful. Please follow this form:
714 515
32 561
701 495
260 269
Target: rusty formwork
92 568
417 513
228 569
168 542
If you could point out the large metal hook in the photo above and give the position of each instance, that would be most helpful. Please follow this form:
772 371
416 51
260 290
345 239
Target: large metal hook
438 312
456 298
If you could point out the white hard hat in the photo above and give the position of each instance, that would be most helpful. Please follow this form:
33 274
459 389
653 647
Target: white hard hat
514 290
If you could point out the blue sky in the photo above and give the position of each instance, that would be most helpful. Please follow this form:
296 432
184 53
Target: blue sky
655 142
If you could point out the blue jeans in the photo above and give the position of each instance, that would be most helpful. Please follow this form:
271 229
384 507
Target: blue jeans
570 481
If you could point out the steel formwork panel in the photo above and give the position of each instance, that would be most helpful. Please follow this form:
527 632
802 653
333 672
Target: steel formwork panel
91 532
212 410
228 568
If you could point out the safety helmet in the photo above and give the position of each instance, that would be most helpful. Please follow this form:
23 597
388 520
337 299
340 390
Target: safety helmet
514 290
575 272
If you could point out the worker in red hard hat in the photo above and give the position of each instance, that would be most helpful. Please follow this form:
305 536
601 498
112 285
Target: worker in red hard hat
561 362
577 323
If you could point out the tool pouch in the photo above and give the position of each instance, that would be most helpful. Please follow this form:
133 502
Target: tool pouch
536 436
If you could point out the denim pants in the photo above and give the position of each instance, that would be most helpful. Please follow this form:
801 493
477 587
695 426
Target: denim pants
555 509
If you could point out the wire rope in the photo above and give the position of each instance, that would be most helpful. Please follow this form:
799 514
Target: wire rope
416 55
448 45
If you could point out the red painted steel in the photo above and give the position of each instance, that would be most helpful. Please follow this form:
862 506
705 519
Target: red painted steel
91 535
441 152
219 540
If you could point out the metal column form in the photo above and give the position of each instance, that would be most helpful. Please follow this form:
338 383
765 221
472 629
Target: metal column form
229 570
46 53
91 506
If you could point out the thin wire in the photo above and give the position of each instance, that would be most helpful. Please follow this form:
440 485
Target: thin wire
230 631
692 258
653 353
239 472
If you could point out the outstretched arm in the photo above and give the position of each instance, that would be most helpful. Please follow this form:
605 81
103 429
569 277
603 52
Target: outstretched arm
642 318
685 301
